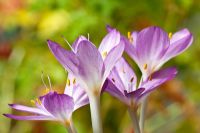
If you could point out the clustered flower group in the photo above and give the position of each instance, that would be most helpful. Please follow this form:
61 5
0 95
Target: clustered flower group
92 71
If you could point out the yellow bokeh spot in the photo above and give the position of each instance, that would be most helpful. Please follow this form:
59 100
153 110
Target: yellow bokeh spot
52 22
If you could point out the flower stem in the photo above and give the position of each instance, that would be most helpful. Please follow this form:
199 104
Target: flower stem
95 114
134 119
70 127
142 114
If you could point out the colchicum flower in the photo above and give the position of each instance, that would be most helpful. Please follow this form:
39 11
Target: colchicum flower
54 106
122 83
152 47
91 66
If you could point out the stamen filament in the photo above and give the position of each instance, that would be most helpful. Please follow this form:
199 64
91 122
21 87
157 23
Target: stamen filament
68 43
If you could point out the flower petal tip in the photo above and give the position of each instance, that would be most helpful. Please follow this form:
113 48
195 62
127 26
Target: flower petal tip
6 115
11 105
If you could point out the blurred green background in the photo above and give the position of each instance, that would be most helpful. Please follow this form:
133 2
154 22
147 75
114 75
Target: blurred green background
25 25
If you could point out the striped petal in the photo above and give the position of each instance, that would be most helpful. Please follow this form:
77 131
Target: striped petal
27 109
36 117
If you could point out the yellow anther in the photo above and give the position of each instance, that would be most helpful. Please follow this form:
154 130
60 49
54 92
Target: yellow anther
47 90
123 70
145 66
38 101
67 123
130 37
150 77
170 35
74 81
33 101
132 79
68 82
129 34
104 54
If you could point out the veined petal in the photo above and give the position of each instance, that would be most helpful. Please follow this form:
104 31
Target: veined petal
115 78
134 35
60 106
66 58
90 65
134 95
76 43
36 117
109 41
74 90
151 45
179 42
115 91
127 75
27 109
157 79
130 48
111 59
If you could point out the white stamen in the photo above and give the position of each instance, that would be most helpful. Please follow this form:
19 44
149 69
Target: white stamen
68 43
42 77
49 82
88 37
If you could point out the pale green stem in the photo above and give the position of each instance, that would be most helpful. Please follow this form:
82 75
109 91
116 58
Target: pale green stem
95 113
70 127
69 130
142 113
133 115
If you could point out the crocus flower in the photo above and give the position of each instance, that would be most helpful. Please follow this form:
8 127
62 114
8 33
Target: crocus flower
152 47
54 106
91 66
122 83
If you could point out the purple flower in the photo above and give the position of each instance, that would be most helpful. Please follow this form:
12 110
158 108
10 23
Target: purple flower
122 83
152 47
90 65
54 106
